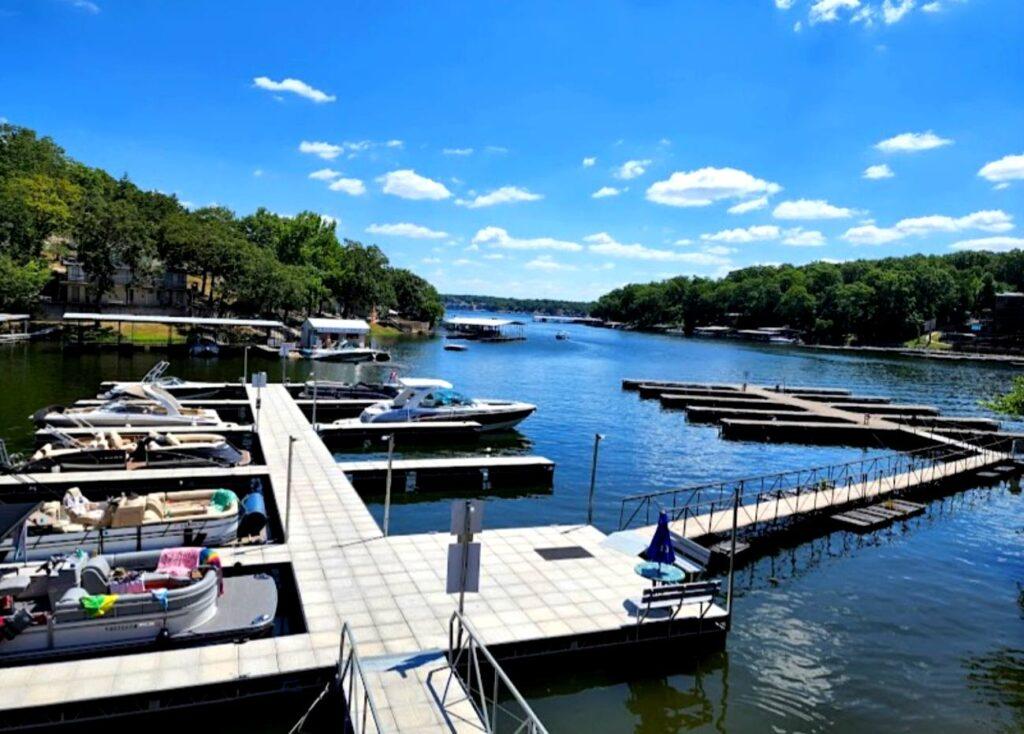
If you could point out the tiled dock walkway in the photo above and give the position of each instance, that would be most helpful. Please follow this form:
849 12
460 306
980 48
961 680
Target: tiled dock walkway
391 591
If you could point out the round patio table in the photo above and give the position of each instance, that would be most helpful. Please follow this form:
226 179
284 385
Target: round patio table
660 573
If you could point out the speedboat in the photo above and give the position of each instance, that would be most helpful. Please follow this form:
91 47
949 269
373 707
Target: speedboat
346 352
144 404
174 385
204 347
562 336
75 605
436 400
131 522
109 450
334 390
455 347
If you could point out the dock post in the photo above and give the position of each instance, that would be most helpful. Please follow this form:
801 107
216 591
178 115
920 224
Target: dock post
245 364
598 437
387 482
313 376
288 489
732 547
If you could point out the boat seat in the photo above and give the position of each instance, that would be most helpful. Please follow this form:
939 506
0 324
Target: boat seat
116 441
172 440
13 584
71 596
181 509
95 578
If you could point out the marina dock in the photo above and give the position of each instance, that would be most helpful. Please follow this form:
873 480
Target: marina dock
453 475
549 590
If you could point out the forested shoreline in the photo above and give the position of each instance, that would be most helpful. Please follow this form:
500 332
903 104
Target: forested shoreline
53 207
547 306
883 301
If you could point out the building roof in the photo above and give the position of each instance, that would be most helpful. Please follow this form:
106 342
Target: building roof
338 326
171 320
479 321
5 317
424 382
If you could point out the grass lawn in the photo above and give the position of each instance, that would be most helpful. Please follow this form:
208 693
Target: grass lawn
924 342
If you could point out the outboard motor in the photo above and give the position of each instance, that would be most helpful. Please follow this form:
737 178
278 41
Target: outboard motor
254 511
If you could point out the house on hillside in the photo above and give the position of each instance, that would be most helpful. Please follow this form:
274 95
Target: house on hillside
167 289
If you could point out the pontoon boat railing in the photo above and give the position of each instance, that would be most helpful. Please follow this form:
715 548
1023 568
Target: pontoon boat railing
477 678
767 498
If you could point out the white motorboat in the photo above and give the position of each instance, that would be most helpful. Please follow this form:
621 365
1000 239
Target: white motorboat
144 404
335 390
346 352
129 522
436 400
79 605
175 385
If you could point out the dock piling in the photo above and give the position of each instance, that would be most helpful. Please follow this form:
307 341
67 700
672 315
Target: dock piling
598 437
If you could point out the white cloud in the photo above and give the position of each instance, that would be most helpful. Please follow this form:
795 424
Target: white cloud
295 86
394 144
783 4
327 151
986 221
799 237
912 142
756 233
546 262
498 237
603 243
870 234
328 219
86 5
932 7
408 184
827 11
1001 186
504 195
350 186
462 261
1007 168
719 250
632 169
798 26
325 174
431 260
810 209
749 206
405 229
458 151
257 172
874 173
606 191
893 12
707 185
589 161
498 149
494 256
993 244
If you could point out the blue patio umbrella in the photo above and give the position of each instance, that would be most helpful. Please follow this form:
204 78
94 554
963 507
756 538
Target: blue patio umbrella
660 550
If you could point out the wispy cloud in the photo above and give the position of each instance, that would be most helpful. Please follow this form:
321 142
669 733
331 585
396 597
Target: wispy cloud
992 220
708 185
912 142
1008 168
810 209
992 244
632 169
350 186
327 151
504 195
405 229
589 161
603 243
293 86
498 237
547 262
749 206
875 173
324 174
606 191
458 151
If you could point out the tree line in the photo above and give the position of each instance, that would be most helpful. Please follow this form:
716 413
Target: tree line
547 306
884 301
262 263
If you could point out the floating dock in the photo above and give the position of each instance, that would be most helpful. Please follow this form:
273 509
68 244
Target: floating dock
551 590
477 474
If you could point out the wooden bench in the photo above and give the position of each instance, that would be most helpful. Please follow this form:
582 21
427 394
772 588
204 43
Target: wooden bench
691 550
676 596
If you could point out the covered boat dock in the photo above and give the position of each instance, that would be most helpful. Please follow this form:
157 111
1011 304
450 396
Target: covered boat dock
81 320
485 329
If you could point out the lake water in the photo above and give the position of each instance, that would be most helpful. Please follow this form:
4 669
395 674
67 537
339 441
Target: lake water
917 627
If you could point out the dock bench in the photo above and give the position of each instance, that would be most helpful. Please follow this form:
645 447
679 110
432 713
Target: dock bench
675 596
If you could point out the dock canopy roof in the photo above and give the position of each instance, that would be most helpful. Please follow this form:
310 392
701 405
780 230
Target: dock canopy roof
480 322
172 320
5 317
338 326
424 382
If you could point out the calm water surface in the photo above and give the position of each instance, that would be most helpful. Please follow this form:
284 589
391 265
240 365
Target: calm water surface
916 628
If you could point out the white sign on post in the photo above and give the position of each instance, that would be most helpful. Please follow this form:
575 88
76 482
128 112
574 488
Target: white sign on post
463 556
286 349
259 379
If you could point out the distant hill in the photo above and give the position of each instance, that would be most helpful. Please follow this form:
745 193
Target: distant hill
545 306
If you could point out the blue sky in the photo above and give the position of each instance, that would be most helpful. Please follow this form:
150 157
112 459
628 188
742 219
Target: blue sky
468 140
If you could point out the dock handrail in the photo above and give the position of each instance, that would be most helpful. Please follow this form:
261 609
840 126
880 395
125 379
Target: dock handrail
496 703
357 703
705 499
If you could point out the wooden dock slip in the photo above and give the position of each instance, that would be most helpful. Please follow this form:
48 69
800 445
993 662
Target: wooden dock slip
875 516
351 432
756 402
886 408
454 475
708 414
820 433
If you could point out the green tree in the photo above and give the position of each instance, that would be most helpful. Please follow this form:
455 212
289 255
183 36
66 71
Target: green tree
415 298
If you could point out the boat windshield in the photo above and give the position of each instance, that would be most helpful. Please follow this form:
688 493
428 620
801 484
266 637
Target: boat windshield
444 397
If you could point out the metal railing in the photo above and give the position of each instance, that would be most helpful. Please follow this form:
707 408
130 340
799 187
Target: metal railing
771 497
477 678
358 710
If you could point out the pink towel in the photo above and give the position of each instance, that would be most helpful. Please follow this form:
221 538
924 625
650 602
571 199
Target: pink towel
131 586
179 562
